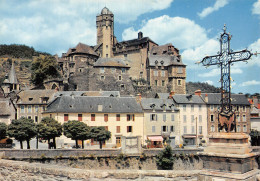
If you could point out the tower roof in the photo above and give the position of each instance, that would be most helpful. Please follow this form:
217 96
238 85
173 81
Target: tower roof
105 10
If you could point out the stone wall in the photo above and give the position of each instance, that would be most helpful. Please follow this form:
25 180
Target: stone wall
18 170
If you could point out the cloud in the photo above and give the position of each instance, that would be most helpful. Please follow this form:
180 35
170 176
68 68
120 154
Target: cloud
250 83
210 82
218 4
182 32
255 47
56 25
216 72
256 8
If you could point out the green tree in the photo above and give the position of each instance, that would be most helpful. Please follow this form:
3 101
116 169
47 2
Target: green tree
77 130
255 137
22 129
165 159
43 68
100 134
3 129
49 129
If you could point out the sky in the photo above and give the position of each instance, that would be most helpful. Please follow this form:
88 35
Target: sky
192 26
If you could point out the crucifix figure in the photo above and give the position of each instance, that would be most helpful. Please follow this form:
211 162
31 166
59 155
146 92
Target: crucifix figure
224 59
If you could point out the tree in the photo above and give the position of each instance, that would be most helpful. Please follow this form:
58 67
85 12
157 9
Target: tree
49 129
165 159
77 130
255 137
3 129
43 68
100 134
22 129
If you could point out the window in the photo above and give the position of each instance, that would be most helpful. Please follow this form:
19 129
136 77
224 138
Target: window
164 128
153 117
238 118
199 107
184 107
36 109
163 73
179 71
118 117
184 118
142 65
130 117
66 117
36 119
211 107
212 118
102 77
155 82
93 117
163 83
173 117
118 129
106 46
244 128
179 82
200 118
244 108
29 117
122 86
106 117
244 118
192 118
22 109
113 70
192 108
193 129
50 115
119 77
129 129
141 74
212 128
102 70
172 129
237 108
125 55
184 129
79 117
238 128
164 117
123 70
155 73
200 129
153 129
107 55
29 109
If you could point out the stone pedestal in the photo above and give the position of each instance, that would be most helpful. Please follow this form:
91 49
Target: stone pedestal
228 156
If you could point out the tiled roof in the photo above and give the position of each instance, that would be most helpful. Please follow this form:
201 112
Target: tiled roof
214 98
164 60
162 49
158 104
82 104
34 96
187 99
110 62
88 93
82 48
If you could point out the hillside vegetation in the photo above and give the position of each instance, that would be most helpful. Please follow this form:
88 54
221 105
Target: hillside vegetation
191 87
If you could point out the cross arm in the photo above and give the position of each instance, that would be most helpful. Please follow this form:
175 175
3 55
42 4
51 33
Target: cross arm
211 60
240 56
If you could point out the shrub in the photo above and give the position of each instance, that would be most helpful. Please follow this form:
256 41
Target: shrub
165 159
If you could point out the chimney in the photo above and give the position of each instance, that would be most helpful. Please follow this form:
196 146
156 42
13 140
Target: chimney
138 97
171 94
140 35
198 92
206 98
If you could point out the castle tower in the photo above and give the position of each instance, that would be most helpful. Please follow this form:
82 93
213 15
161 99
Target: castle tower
105 32
11 82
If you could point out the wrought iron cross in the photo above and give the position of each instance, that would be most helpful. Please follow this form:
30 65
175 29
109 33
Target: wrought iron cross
224 59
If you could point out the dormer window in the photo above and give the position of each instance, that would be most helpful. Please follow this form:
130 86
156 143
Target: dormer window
164 52
154 53
162 62
156 62
30 98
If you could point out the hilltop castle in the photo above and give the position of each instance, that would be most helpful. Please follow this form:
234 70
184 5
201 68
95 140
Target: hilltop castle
113 65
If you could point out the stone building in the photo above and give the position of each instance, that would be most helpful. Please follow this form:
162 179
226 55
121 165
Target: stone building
240 105
11 82
139 55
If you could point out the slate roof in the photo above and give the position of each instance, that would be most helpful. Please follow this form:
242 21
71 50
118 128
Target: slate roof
162 95
162 49
165 60
135 42
214 98
82 104
4 107
88 93
105 10
34 96
158 104
110 62
82 48
187 99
